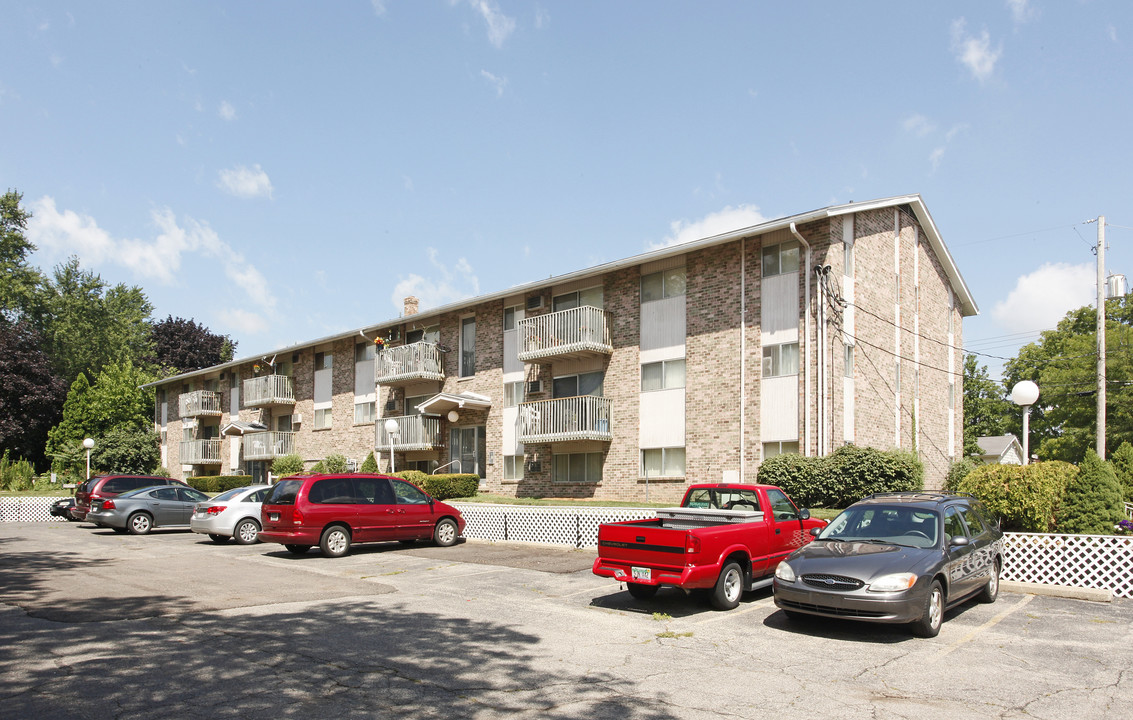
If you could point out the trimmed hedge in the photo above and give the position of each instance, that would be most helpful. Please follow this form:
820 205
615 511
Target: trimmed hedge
218 483
1024 498
843 477
445 486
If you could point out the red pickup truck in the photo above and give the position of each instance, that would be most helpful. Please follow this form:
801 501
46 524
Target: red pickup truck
724 538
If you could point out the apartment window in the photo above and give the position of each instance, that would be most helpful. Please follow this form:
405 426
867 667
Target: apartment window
283 423
780 360
663 462
567 301
411 403
665 375
848 270
468 347
425 466
951 395
513 467
510 314
578 468
781 258
322 419
664 284
363 352
848 361
513 393
431 334
771 449
283 368
364 412
323 361
575 385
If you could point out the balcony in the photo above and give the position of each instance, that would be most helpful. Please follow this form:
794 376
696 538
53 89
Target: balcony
268 445
268 390
415 432
575 333
199 403
200 452
409 363
585 417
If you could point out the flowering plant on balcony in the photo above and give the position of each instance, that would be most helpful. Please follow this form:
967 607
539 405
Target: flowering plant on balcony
257 368
379 343
1125 527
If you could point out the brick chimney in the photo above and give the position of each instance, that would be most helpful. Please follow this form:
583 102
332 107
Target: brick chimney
410 306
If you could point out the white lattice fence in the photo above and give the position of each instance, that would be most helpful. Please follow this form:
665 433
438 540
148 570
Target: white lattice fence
577 527
1093 561
27 509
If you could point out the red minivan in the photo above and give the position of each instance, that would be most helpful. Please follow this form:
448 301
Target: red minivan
335 511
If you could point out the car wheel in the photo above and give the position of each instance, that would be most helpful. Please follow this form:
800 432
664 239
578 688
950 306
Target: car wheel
929 624
139 523
445 533
218 539
729 587
640 591
247 532
991 591
297 549
335 541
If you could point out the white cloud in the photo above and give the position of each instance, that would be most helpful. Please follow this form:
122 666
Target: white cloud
245 182
974 52
542 17
60 234
918 125
1111 33
1040 299
244 321
730 218
497 82
1021 11
935 157
499 25
379 6
447 285
226 111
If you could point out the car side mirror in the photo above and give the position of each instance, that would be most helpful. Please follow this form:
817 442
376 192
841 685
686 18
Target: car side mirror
957 541
804 514
815 531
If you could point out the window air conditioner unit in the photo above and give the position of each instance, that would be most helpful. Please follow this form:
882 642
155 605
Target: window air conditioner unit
535 386
297 418
535 302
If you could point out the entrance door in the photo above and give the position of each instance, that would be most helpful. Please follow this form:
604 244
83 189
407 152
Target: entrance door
258 469
467 447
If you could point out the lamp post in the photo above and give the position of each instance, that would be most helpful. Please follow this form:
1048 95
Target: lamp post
391 430
1024 394
89 445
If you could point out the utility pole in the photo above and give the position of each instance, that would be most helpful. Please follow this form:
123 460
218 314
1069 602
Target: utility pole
1101 337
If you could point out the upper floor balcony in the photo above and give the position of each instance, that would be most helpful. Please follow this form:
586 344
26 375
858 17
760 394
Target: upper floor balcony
577 332
268 445
414 432
408 363
584 417
269 390
200 452
199 403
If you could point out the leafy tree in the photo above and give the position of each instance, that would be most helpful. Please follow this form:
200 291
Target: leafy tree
19 282
334 463
127 450
369 465
987 411
287 465
1092 503
31 394
183 345
1023 497
957 471
1123 468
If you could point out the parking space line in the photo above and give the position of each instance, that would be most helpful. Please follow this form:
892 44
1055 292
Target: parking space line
596 588
986 626
762 604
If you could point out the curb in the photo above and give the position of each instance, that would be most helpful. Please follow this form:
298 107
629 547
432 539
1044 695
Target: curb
1063 591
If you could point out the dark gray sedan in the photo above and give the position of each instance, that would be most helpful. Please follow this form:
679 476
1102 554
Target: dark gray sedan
895 558
139 511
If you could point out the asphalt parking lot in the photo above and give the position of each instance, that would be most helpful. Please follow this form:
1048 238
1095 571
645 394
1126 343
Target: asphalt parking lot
99 625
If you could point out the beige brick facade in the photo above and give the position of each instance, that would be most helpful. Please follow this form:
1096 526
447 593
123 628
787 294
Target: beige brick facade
906 364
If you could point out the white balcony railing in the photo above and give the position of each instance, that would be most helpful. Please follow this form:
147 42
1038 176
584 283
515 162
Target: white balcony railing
268 445
414 432
268 390
578 331
200 452
198 403
585 417
407 363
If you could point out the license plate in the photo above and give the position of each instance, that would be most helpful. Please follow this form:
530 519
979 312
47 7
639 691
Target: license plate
274 517
640 573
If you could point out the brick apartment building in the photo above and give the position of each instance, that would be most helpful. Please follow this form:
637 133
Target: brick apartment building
689 363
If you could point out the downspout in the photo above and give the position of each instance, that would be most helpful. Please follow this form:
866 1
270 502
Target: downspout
820 364
743 358
806 342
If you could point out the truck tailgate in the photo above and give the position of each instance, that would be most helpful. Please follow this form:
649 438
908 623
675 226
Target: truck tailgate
642 542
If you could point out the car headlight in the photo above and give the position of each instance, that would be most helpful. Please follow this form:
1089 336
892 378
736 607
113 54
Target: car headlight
785 573
893 583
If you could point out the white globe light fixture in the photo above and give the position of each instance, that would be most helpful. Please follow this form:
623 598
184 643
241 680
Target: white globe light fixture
89 445
391 430
1025 394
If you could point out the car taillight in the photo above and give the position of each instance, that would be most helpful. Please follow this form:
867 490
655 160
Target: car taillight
692 545
108 505
216 509
297 518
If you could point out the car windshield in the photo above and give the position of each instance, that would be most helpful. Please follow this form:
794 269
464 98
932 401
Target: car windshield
722 499
912 527
228 495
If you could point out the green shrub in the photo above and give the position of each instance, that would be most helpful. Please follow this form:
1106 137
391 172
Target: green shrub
17 476
844 477
957 471
218 483
1123 467
287 465
1092 502
800 476
1024 498
334 463
369 465
445 486
414 476
162 471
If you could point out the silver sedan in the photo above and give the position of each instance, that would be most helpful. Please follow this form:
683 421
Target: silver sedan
235 514
139 511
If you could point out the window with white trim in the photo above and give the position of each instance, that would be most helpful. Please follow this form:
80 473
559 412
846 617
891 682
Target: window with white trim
663 462
431 334
567 301
322 418
781 258
665 284
664 375
577 467
467 347
510 315
513 467
513 393
364 412
848 361
771 449
781 360
574 385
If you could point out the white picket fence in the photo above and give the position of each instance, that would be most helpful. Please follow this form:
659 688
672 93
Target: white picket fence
1091 561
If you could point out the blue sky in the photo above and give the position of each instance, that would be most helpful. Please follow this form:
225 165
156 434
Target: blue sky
281 171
